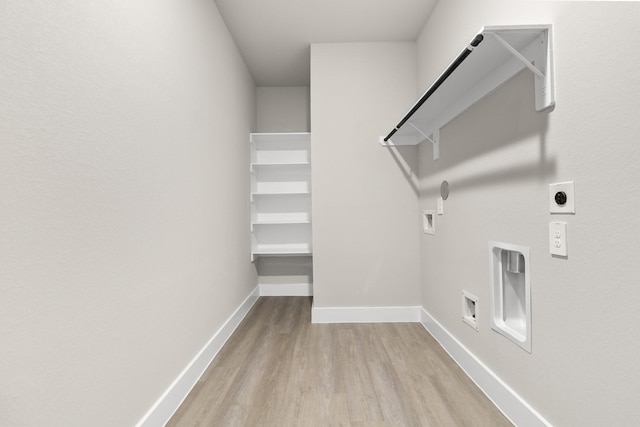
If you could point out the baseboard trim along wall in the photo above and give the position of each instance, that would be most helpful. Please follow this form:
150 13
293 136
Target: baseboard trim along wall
365 314
286 290
504 397
516 409
172 398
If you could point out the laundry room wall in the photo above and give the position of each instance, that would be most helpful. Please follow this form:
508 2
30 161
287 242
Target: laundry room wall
499 158
124 238
365 196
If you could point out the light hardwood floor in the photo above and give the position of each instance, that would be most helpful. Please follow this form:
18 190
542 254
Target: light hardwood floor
278 369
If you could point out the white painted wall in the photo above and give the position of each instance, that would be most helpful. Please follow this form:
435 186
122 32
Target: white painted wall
365 222
499 158
124 238
282 109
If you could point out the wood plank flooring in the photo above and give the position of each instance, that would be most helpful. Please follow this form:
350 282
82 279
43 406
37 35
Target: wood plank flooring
278 369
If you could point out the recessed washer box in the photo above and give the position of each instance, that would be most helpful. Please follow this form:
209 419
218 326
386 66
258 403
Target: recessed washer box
511 292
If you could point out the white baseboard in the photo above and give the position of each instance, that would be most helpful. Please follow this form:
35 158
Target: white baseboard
286 290
172 398
516 409
365 314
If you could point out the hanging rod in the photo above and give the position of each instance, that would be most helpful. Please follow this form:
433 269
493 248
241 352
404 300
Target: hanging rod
474 43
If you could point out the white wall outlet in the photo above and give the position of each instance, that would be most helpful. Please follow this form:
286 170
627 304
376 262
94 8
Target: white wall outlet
440 206
562 198
428 222
558 238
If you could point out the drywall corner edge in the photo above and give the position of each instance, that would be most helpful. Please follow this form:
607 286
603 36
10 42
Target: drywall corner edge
172 398
516 409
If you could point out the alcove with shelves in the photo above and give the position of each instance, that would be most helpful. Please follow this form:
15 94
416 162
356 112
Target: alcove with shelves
280 194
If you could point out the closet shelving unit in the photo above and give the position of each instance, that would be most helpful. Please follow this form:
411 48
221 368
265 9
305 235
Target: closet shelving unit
280 194
494 56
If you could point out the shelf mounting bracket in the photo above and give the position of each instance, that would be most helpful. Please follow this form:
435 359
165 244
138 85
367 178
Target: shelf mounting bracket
502 52
434 138
518 55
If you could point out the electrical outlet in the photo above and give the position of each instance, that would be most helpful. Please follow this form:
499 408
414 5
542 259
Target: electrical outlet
558 238
562 198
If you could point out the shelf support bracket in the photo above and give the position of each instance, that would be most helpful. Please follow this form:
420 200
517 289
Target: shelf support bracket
434 139
518 55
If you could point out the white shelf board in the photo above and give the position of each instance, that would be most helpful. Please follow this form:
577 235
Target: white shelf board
281 193
276 164
486 68
282 222
282 250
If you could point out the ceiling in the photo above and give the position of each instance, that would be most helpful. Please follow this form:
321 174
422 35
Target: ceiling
274 36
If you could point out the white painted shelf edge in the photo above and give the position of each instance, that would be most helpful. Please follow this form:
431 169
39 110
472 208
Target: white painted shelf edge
280 193
280 164
282 222
495 55
282 253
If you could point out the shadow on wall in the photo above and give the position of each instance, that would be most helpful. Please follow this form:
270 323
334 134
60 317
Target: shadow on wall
407 160
503 118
